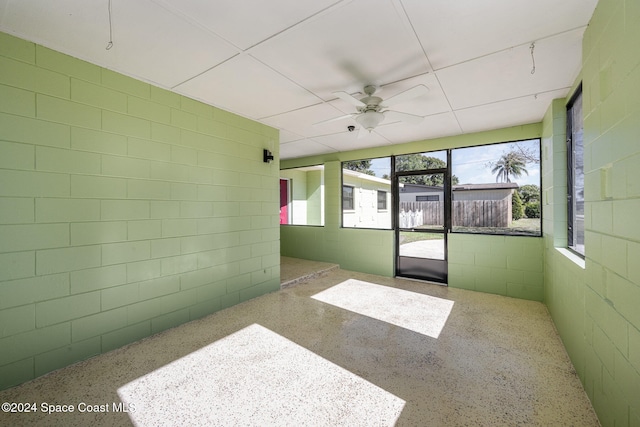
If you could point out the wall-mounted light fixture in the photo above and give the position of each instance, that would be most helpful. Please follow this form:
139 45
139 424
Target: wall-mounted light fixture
267 156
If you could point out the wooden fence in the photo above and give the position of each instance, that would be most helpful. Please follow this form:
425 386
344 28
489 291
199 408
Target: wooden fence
466 213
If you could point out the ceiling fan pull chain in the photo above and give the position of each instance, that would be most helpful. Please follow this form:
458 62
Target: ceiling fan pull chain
110 44
533 60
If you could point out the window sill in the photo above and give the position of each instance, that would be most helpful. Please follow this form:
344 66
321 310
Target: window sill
579 261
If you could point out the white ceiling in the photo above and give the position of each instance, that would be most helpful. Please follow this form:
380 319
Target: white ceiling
279 61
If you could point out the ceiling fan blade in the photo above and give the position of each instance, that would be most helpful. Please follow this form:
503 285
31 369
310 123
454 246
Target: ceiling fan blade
350 99
408 94
335 119
405 117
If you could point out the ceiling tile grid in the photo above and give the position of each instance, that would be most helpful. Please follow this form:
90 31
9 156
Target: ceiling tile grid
280 62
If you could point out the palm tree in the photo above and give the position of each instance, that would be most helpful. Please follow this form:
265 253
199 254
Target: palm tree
510 165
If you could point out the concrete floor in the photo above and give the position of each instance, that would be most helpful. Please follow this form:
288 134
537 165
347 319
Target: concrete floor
337 348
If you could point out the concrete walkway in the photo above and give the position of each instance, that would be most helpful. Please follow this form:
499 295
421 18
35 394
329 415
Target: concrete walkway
433 249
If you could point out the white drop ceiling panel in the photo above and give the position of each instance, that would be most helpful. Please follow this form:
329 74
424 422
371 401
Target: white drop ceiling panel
507 74
260 92
260 19
361 42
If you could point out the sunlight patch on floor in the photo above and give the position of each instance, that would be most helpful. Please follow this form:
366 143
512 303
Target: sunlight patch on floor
257 377
420 313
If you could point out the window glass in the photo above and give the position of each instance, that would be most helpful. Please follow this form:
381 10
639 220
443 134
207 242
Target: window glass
496 189
366 193
421 161
302 196
575 175
382 200
347 198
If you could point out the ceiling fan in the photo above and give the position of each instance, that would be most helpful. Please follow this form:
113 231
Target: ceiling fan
372 110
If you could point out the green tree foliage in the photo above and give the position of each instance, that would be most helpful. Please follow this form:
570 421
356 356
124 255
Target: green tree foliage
529 193
517 208
416 162
510 164
532 209
362 166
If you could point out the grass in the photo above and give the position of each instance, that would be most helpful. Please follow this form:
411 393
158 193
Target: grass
521 227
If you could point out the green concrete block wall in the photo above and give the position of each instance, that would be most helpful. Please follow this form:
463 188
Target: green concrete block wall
595 303
504 265
125 210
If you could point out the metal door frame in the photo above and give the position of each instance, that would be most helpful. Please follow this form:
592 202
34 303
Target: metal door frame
443 264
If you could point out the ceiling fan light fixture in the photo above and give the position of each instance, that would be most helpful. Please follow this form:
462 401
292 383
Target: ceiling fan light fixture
370 119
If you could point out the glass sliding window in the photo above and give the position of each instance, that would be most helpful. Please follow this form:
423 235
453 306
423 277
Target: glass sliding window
575 174
366 193
302 196
496 189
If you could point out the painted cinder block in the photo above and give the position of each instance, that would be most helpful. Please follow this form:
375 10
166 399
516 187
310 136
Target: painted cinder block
119 253
50 261
17 319
29 77
66 161
93 279
98 187
143 230
125 125
169 320
161 248
120 337
148 190
143 270
164 132
149 110
196 107
98 96
98 324
17 101
99 142
15 238
183 120
68 112
125 84
67 308
34 131
18 292
125 167
109 166
16 373
163 96
119 296
124 209
66 65
17 210
157 287
60 357
16 48
28 344
179 264
146 149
